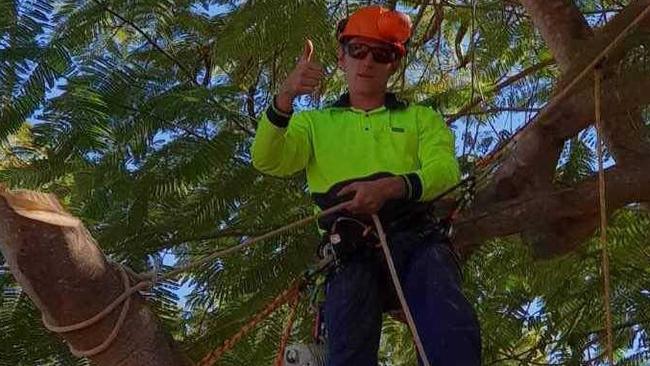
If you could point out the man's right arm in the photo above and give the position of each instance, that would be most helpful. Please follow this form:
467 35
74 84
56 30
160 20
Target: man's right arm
282 145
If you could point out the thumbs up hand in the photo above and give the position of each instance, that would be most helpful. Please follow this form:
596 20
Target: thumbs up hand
304 79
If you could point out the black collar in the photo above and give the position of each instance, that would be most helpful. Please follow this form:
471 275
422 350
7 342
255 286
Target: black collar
391 103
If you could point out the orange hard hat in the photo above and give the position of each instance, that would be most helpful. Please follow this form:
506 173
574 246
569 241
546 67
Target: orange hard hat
378 23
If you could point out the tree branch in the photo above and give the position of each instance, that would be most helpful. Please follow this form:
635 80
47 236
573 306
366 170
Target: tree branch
509 81
628 140
149 40
554 221
610 30
562 26
60 267
531 156
182 67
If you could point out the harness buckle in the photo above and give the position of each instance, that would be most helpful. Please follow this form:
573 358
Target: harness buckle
346 238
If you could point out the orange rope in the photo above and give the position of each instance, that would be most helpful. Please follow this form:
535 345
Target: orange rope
287 330
603 218
290 293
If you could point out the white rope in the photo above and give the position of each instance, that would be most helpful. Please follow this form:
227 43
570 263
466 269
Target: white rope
400 293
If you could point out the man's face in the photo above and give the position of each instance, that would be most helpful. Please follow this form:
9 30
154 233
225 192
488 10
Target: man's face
366 76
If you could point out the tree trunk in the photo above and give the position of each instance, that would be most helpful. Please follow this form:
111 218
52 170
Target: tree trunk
63 271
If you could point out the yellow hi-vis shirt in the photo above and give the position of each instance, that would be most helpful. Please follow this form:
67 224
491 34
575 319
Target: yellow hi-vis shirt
340 143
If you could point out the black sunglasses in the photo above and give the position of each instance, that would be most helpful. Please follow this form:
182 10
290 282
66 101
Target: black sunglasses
381 55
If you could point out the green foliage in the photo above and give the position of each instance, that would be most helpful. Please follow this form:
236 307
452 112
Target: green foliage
577 161
556 307
140 119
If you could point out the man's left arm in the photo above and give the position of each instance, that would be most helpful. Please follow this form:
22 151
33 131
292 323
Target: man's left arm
439 168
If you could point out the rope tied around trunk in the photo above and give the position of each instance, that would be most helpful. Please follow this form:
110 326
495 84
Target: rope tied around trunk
124 298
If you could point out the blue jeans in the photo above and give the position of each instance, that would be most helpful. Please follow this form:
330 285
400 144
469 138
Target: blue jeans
358 291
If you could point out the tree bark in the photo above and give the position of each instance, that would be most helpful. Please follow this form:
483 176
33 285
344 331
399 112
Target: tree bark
627 137
63 271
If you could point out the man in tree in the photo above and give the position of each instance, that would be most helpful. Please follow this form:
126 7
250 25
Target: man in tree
389 158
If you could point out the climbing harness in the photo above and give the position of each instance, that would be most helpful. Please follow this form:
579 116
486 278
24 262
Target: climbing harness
347 237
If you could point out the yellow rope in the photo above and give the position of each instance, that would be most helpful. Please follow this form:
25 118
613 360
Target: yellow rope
603 217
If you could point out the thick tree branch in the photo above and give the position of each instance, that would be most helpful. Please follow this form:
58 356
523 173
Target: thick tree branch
555 221
60 267
608 32
562 26
614 39
574 113
530 163
532 155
